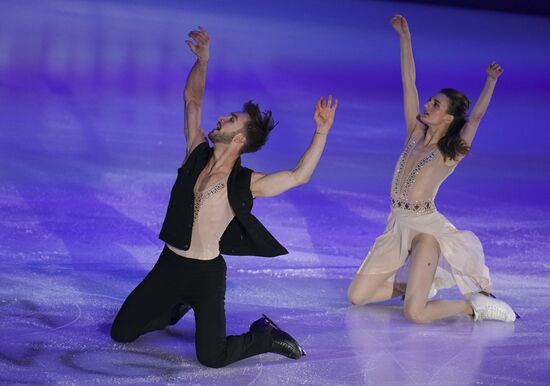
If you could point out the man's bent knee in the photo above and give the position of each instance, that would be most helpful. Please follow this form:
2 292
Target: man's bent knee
212 361
121 335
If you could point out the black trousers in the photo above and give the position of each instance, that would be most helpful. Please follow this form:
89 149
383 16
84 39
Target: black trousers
176 280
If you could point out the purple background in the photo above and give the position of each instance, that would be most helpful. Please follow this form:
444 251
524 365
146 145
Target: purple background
91 135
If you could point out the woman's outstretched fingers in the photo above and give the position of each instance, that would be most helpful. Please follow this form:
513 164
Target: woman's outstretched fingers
494 70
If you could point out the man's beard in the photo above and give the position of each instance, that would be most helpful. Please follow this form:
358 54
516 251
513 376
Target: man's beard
218 137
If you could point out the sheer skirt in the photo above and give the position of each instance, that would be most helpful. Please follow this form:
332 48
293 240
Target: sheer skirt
461 263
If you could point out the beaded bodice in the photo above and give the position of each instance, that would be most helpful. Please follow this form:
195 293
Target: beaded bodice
418 174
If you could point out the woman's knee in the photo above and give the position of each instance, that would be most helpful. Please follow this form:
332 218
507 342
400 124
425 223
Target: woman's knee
415 314
358 298
425 240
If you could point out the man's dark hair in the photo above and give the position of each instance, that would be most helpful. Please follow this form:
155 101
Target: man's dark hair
258 128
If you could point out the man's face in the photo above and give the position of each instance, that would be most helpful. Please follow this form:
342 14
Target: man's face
228 127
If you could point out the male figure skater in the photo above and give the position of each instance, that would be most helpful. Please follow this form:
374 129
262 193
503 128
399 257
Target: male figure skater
209 213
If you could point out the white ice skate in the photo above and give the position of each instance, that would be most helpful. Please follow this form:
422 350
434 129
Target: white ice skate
490 308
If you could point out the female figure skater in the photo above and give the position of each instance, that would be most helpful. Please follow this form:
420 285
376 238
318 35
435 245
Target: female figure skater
436 142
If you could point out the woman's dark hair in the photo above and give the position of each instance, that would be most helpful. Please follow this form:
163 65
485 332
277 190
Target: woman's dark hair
451 144
258 128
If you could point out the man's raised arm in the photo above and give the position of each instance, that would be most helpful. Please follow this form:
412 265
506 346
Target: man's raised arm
194 88
264 185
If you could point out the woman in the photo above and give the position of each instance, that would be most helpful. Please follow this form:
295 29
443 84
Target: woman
436 142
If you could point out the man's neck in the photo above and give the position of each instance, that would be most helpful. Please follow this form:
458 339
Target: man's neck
223 159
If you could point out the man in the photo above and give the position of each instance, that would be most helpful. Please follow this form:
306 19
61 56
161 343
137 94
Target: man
209 213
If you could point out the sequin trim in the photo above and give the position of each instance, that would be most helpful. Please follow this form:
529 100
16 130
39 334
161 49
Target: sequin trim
201 197
411 179
417 207
403 194
401 165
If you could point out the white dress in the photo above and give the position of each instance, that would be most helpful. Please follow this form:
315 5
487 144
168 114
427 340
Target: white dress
416 180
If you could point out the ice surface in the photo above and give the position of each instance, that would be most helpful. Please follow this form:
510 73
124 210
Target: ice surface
91 137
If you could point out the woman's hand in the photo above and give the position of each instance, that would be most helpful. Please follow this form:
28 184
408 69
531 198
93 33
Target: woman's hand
399 23
494 70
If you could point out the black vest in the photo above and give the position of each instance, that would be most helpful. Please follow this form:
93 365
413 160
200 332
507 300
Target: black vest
244 235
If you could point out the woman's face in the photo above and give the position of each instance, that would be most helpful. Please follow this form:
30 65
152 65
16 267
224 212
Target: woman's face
435 111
